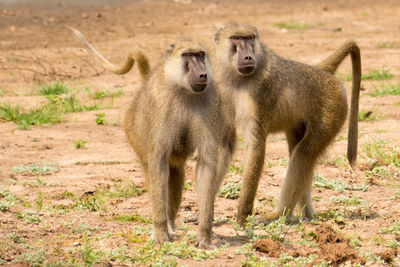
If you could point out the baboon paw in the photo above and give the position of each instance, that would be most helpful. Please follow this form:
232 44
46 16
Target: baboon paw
161 237
241 218
268 218
205 245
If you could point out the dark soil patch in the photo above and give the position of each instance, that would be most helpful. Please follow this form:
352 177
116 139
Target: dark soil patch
334 247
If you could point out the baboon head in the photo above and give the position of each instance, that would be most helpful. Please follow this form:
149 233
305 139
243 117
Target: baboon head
240 45
187 66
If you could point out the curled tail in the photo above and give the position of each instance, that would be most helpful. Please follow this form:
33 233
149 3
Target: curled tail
135 54
330 65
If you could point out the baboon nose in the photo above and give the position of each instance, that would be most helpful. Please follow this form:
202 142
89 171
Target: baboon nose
203 77
248 59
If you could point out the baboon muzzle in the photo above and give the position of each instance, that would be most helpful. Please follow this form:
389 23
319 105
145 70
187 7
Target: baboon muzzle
246 59
197 75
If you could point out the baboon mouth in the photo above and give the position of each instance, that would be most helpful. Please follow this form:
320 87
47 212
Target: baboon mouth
246 70
198 87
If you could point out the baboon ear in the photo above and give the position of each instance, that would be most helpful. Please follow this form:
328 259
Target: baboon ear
216 35
169 50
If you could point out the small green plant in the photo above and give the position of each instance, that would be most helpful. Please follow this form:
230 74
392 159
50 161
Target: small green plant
57 88
15 238
396 196
394 244
386 89
330 214
292 25
30 216
35 258
394 229
347 201
387 45
284 162
101 118
234 169
6 205
80 143
230 190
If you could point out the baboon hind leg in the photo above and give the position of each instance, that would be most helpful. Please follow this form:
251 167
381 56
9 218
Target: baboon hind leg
294 136
297 185
175 185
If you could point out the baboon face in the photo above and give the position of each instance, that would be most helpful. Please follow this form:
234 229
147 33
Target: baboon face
195 66
240 45
187 66
242 48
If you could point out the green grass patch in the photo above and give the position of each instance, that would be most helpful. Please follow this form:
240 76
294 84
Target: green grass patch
383 155
292 25
131 218
376 75
386 89
368 116
36 168
125 190
387 45
51 112
336 185
103 94
57 88
347 201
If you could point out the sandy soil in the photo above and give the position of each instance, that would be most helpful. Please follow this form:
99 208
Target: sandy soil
37 48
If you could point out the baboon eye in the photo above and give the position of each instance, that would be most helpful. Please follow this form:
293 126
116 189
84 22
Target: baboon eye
201 54
235 38
250 37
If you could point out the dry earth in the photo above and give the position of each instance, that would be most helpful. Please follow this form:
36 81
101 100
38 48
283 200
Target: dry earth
75 212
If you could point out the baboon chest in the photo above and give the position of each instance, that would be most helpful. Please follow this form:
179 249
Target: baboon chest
183 145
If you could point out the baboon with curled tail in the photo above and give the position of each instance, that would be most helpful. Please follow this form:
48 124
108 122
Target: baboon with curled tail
273 94
178 111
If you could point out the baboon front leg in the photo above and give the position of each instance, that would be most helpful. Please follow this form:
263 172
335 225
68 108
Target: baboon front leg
175 184
158 183
207 185
253 168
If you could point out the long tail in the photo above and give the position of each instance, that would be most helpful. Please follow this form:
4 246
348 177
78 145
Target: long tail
135 54
330 65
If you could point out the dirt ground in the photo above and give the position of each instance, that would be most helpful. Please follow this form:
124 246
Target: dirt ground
70 214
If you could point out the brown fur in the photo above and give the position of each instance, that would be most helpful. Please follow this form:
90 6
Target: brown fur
307 103
165 124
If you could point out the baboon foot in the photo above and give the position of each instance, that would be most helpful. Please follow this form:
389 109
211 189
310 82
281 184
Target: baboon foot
241 218
269 217
160 237
205 243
